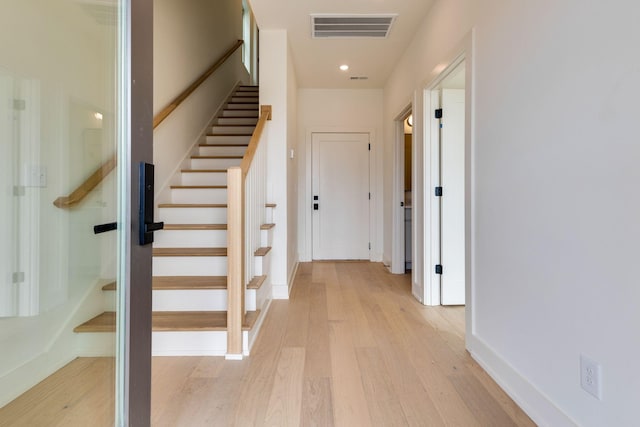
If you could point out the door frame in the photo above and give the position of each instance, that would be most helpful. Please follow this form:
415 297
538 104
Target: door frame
305 205
431 94
464 52
397 211
136 129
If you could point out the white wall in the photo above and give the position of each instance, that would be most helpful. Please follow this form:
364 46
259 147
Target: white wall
339 110
189 36
278 89
292 169
554 204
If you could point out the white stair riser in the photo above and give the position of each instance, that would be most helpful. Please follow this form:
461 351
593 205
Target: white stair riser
189 343
190 239
214 163
230 130
214 150
109 300
228 139
269 216
237 121
242 105
199 195
240 113
262 265
266 238
193 215
190 266
204 178
190 300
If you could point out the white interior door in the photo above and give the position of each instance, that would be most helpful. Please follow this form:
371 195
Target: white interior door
452 236
340 184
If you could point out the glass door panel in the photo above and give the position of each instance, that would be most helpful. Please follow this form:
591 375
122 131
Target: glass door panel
61 110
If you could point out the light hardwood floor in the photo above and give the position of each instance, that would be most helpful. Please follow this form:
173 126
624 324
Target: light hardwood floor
351 347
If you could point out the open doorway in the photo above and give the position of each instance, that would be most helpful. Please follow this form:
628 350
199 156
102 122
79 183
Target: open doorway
403 253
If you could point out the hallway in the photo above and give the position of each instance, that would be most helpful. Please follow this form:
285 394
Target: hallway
351 348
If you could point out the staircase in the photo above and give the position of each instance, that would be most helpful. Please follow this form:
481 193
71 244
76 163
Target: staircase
190 254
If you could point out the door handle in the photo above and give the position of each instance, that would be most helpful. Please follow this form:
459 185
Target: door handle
315 206
145 213
103 228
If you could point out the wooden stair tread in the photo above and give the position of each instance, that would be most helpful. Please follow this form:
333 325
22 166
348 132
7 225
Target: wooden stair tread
189 282
172 321
256 282
169 283
195 227
109 286
227 134
197 187
203 171
192 205
198 320
263 226
178 252
223 145
262 251
230 125
105 322
216 157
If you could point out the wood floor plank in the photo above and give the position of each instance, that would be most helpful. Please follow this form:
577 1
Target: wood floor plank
349 401
317 410
384 406
317 364
285 401
258 381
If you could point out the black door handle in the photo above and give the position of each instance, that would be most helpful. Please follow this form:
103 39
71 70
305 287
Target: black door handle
145 217
315 206
103 228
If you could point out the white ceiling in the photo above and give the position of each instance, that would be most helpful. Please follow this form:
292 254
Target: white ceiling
317 60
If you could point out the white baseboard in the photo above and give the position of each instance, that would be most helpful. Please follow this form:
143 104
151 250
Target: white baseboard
532 401
280 291
255 331
283 291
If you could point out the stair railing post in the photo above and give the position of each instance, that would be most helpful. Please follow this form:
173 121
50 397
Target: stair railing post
235 258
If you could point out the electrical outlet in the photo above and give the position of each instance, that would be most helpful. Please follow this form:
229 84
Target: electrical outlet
591 376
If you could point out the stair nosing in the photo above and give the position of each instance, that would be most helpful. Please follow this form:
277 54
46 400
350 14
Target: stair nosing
110 324
177 227
216 157
189 252
198 187
192 205
203 171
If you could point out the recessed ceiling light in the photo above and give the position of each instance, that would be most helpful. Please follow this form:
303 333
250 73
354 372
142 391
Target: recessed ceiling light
344 67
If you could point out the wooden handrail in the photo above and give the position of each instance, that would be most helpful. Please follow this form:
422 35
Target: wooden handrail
92 182
89 184
236 177
265 114
188 91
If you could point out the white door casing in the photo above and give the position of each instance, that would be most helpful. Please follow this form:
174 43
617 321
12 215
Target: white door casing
340 180
452 168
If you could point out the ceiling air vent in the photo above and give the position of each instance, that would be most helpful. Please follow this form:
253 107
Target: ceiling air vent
359 26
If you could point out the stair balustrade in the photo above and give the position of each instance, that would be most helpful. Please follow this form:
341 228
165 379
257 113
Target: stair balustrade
246 200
